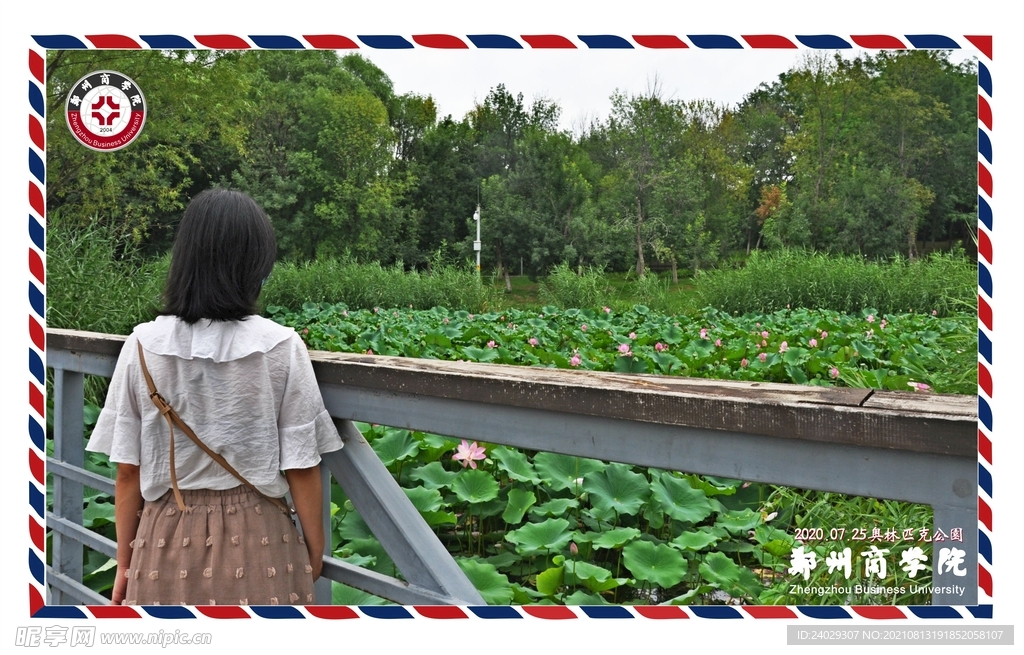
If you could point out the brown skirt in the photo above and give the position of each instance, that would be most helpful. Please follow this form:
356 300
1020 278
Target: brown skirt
228 547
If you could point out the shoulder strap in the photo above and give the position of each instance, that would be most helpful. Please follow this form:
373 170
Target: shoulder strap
173 419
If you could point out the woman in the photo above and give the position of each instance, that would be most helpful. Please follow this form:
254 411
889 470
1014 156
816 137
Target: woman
246 387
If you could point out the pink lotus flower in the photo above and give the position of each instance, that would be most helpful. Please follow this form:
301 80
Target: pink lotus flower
468 453
764 335
573 548
370 351
632 335
344 312
660 346
762 357
471 316
575 361
833 373
919 386
783 347
624 348
376 310
744 362
491 344
607 310
763 343
445 321
870 318
824 334
584 327
533 341
813 343
935 312
718 343
883 324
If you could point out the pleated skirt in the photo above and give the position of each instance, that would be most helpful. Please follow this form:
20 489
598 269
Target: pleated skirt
229 547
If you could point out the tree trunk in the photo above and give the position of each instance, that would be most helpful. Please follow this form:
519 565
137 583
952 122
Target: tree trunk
675 272
640 268
503 269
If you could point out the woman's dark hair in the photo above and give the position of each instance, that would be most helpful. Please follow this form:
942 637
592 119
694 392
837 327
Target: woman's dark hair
223 252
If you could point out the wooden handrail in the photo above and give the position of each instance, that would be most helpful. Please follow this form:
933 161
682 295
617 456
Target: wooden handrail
917 422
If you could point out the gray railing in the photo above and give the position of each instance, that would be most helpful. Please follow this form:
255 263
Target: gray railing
919 448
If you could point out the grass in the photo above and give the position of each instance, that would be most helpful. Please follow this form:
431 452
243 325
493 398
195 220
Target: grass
98 282
365 286
945 283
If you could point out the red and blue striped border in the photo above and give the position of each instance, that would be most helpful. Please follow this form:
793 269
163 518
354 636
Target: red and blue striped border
37 289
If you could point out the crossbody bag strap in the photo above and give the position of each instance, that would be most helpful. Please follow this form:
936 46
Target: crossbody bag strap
173 419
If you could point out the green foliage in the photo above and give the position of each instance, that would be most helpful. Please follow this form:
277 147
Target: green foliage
565 287
875 156
96 280
775 280
660 564
365 286
578 546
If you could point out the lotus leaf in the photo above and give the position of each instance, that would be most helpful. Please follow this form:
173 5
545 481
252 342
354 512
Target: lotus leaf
493 586
541 538
475 486
617 488
658 564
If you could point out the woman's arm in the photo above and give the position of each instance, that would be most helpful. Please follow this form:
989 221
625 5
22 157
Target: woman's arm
127 505
307 494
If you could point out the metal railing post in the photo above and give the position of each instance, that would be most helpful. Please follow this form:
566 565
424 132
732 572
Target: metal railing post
68 447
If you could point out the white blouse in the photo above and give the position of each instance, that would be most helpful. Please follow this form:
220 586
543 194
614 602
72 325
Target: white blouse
246 388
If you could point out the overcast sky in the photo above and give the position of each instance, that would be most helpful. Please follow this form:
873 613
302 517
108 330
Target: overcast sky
581 81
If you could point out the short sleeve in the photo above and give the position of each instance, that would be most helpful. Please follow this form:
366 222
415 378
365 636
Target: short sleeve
118 430
305 428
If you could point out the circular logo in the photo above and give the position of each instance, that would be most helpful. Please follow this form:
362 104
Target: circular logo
105 110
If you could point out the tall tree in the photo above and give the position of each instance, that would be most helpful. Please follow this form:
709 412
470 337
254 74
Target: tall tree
642 130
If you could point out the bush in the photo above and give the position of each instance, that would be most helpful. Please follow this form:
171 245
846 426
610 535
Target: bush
649 290
365 286
565 288
97 281
775 280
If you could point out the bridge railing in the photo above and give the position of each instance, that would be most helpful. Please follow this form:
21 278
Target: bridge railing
919 448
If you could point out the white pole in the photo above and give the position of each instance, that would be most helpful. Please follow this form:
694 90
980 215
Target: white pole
476 244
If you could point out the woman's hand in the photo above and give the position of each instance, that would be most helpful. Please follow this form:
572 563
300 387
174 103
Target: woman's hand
307 494
127 508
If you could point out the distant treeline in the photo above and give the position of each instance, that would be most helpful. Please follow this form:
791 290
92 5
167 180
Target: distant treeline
868 156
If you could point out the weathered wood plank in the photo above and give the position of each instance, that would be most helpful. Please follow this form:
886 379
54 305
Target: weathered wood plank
924 403
834 415
89 342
